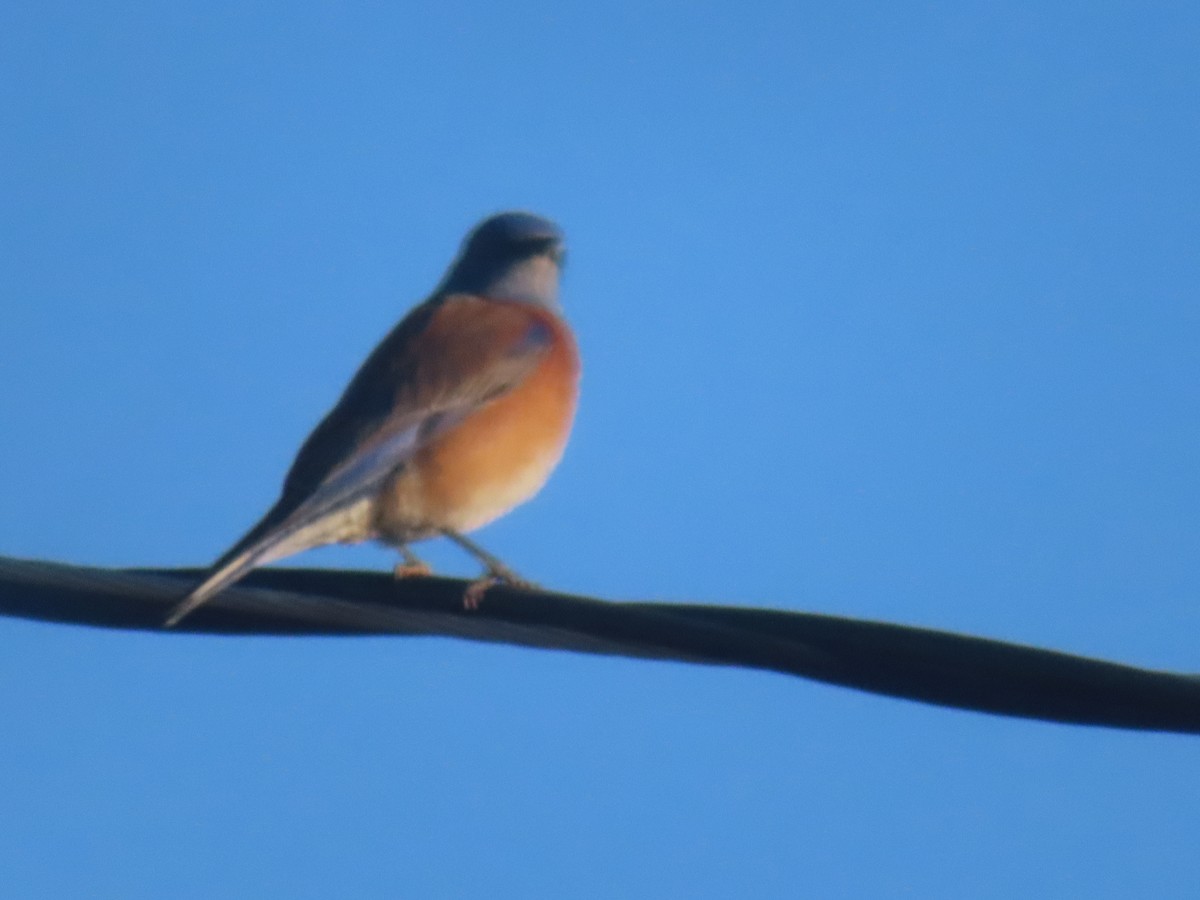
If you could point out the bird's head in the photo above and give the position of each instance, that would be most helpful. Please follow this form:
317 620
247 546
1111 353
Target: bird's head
510 256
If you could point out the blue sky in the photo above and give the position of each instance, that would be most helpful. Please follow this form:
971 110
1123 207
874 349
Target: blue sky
886 312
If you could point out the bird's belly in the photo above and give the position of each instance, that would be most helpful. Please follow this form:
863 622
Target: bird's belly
495 460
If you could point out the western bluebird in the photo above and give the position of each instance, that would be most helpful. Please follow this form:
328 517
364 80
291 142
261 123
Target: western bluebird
458 415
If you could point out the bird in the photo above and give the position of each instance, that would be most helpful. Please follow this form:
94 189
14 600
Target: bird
459 415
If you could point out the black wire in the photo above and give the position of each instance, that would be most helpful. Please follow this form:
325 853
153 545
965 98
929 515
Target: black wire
899 661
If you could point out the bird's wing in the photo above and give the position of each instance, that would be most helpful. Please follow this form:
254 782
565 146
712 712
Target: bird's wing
444 361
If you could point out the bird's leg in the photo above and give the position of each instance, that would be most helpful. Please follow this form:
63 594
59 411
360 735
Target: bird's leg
495 567
412 566
495 571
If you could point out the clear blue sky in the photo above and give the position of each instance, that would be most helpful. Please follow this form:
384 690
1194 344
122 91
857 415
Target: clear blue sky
888 311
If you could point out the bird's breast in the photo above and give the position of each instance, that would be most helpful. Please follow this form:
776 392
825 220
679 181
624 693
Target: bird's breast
497 458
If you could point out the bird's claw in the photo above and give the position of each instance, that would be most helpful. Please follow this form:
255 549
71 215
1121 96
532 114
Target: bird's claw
495 575
412 570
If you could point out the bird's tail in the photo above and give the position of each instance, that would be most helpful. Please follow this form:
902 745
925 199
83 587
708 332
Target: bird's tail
269 540
217 581
229 568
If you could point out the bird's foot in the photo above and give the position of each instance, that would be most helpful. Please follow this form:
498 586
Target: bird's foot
412 570
412 567
495 571
495 574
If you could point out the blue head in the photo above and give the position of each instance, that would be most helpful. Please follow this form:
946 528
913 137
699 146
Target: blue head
510 256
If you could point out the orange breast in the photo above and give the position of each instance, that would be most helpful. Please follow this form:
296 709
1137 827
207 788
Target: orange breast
500 456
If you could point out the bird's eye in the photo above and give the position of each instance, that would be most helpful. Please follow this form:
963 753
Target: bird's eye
547 245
